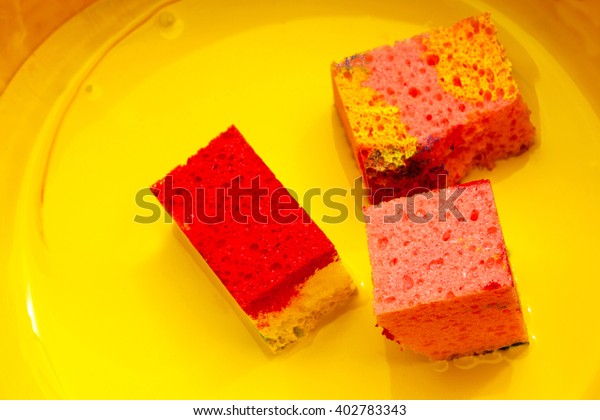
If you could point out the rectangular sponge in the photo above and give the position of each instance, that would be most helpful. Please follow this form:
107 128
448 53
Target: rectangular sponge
442 282
276 263
439 103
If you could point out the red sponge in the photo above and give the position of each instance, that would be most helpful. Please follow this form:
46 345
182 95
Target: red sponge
442 280
274 260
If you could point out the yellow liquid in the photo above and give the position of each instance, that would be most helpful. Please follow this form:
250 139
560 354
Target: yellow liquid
104 307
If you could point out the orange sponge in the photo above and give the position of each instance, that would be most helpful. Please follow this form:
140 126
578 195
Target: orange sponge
439 103
442 281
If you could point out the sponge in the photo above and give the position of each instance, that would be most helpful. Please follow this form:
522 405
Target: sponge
439 103
276 263
442 281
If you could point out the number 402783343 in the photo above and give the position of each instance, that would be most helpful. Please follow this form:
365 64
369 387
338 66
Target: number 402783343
370 410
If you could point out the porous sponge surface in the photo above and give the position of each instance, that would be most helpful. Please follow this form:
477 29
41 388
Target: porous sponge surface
405 78
438 103
262 261
325 290
382 141
442 280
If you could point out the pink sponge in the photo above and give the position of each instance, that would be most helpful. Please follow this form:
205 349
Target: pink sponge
443 102
442 281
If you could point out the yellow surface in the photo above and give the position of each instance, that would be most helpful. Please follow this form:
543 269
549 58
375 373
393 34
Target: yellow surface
94 305
24 24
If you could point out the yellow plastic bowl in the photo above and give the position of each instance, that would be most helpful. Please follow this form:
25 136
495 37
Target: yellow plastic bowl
95 305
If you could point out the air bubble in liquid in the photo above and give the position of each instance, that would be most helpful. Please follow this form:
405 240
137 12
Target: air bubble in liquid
92 92
169 25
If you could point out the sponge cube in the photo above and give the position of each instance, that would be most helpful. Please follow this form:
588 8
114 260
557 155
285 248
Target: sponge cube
276 263
442 282
439 103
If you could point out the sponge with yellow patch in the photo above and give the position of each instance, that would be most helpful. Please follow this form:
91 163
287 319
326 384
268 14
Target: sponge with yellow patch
439 103
276 263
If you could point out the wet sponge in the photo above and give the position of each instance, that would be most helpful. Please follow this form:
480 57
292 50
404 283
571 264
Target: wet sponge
442 281
276 263
439 103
